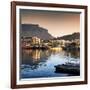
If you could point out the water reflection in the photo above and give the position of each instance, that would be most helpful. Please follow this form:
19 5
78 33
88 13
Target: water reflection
40 63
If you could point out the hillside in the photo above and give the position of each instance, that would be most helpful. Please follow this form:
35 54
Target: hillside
70 36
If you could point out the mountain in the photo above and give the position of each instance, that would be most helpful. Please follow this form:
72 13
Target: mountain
70 36
31 30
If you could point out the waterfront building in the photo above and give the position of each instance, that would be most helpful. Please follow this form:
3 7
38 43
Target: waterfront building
35 40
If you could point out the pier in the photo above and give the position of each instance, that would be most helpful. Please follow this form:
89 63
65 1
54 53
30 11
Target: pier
68 68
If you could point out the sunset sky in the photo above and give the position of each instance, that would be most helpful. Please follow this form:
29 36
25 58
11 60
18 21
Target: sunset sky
57 23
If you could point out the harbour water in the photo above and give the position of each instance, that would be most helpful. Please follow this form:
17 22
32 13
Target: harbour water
41 63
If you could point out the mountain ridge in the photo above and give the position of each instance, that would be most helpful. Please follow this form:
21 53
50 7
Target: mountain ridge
31 30
73 36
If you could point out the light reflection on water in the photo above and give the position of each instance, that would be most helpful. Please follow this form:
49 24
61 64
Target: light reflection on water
40 63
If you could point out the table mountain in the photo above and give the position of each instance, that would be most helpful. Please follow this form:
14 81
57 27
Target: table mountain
31 30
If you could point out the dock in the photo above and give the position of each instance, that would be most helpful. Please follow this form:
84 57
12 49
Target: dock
73 69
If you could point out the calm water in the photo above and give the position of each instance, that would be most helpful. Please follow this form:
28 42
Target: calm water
41 63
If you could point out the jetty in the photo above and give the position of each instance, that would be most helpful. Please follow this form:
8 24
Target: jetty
68 68
56 48
35 47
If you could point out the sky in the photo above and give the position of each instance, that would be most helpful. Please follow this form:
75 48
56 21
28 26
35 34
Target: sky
57 23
